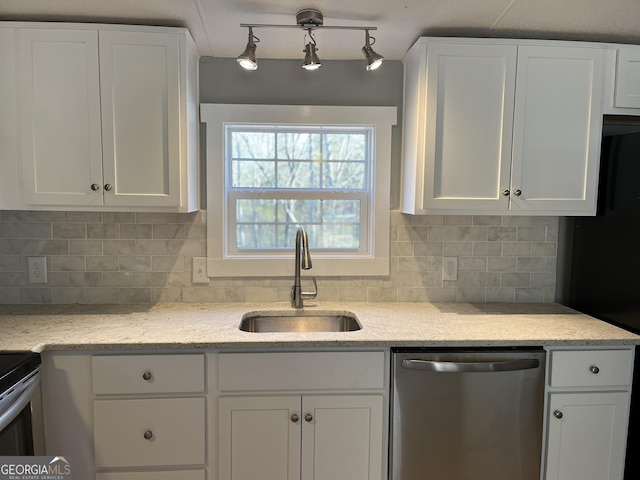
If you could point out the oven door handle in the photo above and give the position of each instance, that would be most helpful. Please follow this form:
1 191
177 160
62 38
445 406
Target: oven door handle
471 367
26 390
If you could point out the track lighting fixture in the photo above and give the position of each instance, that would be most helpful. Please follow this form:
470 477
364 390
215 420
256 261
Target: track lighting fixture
247 59
311 60
309 19
374 60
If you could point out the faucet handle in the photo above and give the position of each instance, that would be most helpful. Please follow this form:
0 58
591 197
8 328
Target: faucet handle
315 290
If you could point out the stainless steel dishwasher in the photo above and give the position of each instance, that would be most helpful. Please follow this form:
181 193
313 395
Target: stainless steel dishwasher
467 414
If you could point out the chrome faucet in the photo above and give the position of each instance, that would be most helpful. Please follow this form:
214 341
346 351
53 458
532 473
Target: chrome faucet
303 260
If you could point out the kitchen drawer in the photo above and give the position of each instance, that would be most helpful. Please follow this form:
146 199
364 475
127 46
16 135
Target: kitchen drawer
172 475
301 371
176 427
591 368
123 374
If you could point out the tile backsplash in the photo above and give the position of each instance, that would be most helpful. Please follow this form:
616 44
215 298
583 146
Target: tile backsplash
100 258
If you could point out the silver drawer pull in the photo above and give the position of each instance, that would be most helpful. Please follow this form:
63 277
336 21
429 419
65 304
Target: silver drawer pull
471 367
148 435
308 417
295 418
593 369
147 375
557 414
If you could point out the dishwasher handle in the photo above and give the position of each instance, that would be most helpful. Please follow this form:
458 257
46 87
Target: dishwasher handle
471 367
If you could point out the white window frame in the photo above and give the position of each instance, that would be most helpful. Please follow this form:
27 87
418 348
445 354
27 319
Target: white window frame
222 262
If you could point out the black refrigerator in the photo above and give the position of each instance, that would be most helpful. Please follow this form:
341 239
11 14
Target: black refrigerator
603 269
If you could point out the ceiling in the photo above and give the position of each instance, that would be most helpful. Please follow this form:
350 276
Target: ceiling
214 24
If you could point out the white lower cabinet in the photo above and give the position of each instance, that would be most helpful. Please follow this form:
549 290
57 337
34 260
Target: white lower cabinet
319 437
310 415
588 396
133 417
587 435
149 432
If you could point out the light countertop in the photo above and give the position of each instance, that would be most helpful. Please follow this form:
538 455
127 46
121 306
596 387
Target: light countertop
215 326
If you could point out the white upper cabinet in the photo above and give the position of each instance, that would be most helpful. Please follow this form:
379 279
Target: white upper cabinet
140 94
9 189
627 78
557 130
468 134
60 116
106 117
500 127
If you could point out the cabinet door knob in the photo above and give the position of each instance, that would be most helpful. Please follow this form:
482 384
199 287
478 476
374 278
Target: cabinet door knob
148 435
107 187
506 192
557 414
593 369
95 187
295 418
517 193
147 375
308 417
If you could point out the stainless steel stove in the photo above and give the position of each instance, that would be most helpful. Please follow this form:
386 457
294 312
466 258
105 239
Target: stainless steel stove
19 390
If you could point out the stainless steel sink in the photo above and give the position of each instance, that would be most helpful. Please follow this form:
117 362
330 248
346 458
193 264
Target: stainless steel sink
261 322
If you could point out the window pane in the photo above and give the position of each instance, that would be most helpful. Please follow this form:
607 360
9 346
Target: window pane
344 146
344 176
255 211
335 236
299 175
299 212
256 236
253 174
299 146
260 145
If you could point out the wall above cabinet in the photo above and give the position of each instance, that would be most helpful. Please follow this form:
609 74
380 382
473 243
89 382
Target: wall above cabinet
107 117
502 127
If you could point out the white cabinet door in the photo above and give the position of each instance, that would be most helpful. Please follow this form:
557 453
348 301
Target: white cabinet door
586 436
317 437
627 84
140 85
10 191
259 438
557 129
59 102
468 128
342 437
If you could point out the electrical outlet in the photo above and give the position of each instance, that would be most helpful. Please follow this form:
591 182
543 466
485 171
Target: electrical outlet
37 269
199 270
449 268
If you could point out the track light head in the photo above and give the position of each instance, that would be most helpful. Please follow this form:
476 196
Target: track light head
311 60
374 60
247 59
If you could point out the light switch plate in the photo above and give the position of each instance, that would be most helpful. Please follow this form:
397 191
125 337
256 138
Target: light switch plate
199 270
